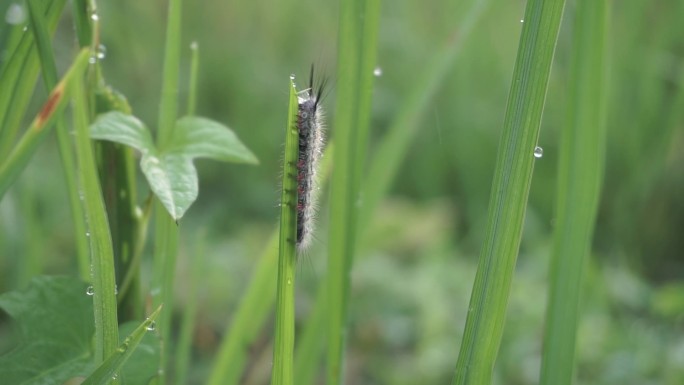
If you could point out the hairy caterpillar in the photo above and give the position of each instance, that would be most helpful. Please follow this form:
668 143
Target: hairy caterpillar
310 129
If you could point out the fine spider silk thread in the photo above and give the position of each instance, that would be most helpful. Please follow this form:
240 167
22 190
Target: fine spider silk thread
310 128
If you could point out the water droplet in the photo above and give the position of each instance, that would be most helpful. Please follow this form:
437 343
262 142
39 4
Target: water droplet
538 152
92 60
95 17
123 347
90 290
87 233
292 77
25 29
377 71
115 376
138 212
15 14
116 289
194 46
101 51
289 282
522 20
151 327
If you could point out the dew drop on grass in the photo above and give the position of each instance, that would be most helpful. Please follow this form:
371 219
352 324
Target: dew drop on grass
377 72
101 51
15 14
25 29
115 376
92 60
95 17
90 290
538 152
522 20
116 289
87 233
151 327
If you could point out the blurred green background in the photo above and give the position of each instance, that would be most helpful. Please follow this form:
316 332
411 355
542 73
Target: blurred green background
412 277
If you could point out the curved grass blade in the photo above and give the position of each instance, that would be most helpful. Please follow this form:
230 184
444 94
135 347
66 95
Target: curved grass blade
101 248
510 188
113 364
283 348
49 71
579 178
13 165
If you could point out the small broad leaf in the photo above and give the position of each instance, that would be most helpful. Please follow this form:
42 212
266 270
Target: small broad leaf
173 179
205 138
54 320
125 129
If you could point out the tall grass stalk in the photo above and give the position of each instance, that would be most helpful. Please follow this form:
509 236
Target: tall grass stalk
283 346
49 71
102 253
18 78
166 230
579 178
187 326
358 33
510 188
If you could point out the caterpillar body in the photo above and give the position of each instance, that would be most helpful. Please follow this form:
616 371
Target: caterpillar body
311 138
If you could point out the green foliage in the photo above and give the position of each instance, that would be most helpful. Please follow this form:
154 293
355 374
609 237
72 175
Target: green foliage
510 189
170 172
284 339
54 323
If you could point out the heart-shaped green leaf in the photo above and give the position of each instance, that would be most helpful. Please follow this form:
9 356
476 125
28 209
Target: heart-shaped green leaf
173 179
170 172
198 137
125 129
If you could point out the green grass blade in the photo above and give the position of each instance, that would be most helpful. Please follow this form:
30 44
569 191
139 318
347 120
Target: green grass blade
82 22
17 81
194 72
104 279
187 325
13 165
166 230
310 345
49 70
111 367
255 306
283 347
182 358
510 188
356 59
579 179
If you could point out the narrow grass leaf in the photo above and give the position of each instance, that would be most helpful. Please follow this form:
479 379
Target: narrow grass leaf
102 253
18 78
13 165
356 60
510 189
110 368
579 179
283 347
49 71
